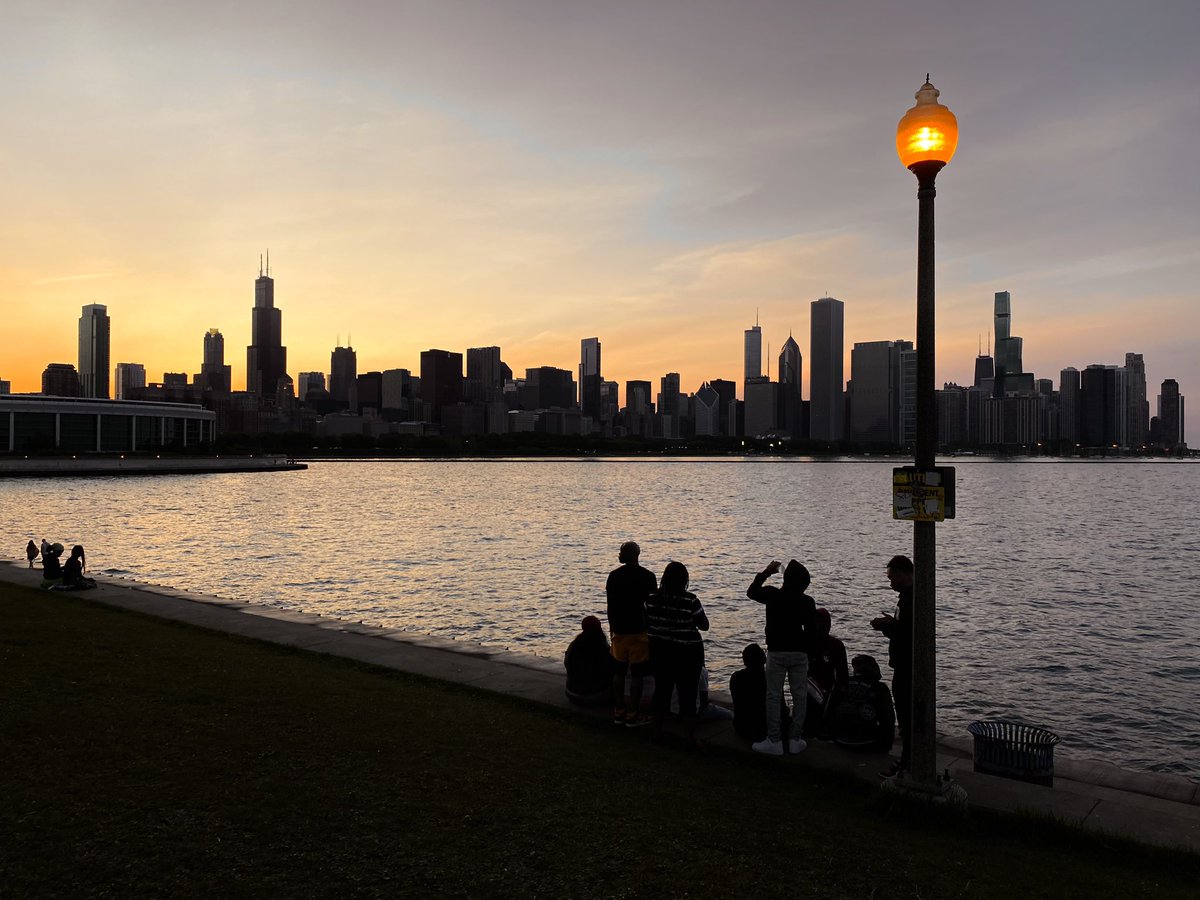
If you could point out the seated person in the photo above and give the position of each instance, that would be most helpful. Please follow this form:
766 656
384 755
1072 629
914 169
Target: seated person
748 687
52 572
72 573
826 668
861 715
589 665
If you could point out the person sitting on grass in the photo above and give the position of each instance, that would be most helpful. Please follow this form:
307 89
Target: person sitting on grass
589 665
52 572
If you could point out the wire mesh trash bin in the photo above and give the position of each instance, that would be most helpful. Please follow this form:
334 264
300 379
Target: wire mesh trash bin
1010 750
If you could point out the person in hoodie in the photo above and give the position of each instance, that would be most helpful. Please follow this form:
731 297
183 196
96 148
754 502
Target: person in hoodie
827 669
790 614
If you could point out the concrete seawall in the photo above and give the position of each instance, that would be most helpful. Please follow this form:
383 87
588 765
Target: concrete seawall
1152 808
75 466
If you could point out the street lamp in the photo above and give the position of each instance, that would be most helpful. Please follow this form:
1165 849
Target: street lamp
925 141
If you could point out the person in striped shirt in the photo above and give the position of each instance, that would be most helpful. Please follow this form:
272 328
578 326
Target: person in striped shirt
675 619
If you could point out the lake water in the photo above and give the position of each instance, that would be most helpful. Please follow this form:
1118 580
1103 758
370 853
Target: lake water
1067 591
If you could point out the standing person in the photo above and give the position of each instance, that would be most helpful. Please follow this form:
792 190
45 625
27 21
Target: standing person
628 587
676 618
899 631
790 614
32 552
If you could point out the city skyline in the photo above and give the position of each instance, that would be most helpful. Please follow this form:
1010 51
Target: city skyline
474 177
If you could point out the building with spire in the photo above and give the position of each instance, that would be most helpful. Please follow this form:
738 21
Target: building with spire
266 357
94 329
752 352
343 376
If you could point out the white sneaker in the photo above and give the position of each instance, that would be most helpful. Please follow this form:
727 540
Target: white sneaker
797 746
768 746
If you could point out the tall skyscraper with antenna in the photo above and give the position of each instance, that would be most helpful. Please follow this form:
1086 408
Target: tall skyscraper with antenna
752 352
266 357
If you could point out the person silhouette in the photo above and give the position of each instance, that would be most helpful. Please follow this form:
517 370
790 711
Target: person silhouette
676 618
32 552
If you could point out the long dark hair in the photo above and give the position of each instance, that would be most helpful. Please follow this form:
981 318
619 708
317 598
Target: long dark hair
674 578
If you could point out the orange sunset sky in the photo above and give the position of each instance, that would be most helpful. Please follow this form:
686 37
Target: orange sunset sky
528 174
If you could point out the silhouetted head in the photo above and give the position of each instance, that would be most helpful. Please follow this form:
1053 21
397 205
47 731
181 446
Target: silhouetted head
629 552
753 656
865 667
824 622
796 576
77 551
674 578
57 549
900 572
591 623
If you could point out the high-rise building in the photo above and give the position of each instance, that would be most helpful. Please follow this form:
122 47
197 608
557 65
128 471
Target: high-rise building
762 407
876 392
791 404
310 381
398 390
637 398
1068 405
670 405
1103 406
707 411
214 375
442 381
826 378
266 357
548 387
369 393
752 353
5 386
590 378
60 380
93 351
128 376
343 375
1170 415
485 374
1008 348
1138 413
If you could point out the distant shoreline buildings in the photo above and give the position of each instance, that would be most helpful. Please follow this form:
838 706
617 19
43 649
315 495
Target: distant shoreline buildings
1103 407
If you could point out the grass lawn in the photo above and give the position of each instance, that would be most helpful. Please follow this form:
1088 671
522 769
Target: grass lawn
141 758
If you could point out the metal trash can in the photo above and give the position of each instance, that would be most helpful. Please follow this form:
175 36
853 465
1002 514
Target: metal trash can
1011 750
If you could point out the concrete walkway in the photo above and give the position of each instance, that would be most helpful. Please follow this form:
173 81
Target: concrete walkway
1156 809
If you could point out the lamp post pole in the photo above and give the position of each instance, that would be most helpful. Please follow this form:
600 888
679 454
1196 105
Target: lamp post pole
926 139
924 671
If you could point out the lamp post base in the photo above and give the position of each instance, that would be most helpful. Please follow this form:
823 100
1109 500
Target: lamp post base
944 789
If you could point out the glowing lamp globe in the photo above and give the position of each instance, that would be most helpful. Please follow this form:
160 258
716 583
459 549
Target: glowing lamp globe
928 133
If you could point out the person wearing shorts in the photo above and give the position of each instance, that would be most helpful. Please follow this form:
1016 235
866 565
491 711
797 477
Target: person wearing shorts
627 588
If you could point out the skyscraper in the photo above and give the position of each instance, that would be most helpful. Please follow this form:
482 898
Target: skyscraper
309 381
826 358
1008 347
1068 405
1170 415
752 353
127 377
266 357
791 367
343 375
442 380
1138 411
214 374
93 351
589 377
485 374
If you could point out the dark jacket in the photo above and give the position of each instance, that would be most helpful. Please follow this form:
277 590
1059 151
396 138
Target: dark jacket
628 587
589 664
790 615
899 633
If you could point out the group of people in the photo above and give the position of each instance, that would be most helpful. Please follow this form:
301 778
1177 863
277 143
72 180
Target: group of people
656 626
56 574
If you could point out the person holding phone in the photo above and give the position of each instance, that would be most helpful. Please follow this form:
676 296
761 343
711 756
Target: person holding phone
899 632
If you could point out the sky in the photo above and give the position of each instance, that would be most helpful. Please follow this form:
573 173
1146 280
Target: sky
656 174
